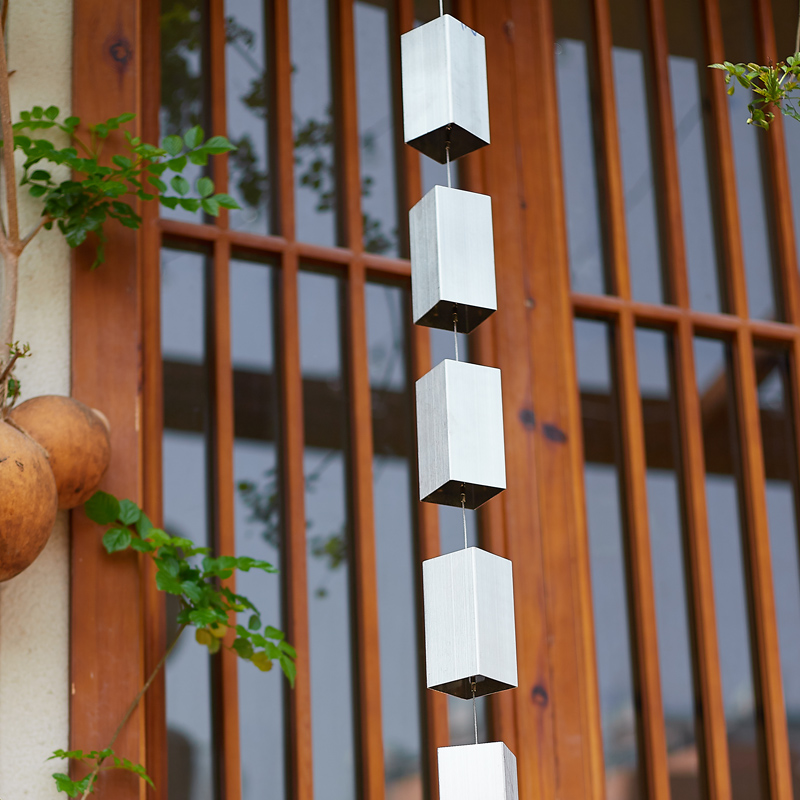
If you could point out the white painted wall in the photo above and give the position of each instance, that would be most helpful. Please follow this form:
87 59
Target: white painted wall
34 606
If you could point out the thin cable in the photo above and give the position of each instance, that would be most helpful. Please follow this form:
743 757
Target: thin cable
441 8
474 712
455 331
464 517
447 156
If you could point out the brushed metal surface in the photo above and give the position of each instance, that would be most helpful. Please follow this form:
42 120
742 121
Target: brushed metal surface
460 434
477 772
452 259
445 92
468 599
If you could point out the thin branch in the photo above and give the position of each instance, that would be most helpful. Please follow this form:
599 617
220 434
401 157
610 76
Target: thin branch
8 147
7 371
5 13
42 222
131 708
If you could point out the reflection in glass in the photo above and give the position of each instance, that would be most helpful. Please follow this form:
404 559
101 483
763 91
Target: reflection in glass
314 123
185 466
780 460
689 78
328 536
248 93
375 42
750 162
393 486
183 79
730 594
607 554
669 582
573 36
257 509
631 84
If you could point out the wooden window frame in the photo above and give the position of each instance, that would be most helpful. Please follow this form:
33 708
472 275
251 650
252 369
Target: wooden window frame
552 721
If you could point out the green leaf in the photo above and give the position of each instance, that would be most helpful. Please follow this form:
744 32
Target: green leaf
226 201
210 206
192 591
205 187
51 112
274 633
169 202
288 667
143 525
102 508
38 191
193 137
243 647
129 512
180 185
217 145
198 157
203 616
177 164
285 647
141 546
190 203
122 161
255 622
158 183
40 175
167 583
172 144
116 539
37 112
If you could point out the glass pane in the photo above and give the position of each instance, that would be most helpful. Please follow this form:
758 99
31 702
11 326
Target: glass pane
689 78
730 594
314 123
397 560
607 553
258 523
748 143
248 88
183 79
653 360
632 87
186 513
375 43
780 464
573 42
328 536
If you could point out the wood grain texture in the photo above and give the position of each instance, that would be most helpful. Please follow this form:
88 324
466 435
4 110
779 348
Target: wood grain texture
758 568
107 640
711 733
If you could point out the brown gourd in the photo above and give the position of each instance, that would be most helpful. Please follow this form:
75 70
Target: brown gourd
76 438
28 501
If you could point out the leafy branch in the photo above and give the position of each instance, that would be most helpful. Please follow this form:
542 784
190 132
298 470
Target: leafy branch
772 85
190 573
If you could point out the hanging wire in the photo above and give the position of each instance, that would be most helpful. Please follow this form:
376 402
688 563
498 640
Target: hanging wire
441 8
464 516
474 710
447 157
455 331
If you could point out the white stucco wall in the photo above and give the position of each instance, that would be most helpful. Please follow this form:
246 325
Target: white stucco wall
34 606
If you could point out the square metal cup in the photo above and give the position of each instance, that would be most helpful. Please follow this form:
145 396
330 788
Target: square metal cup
445 93
469 623
477 772
460 434
452 259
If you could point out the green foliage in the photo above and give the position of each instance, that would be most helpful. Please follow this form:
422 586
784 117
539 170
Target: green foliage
192 574
82 204
95 759
773 86
10 387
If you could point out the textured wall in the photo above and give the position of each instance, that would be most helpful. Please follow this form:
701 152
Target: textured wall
34 606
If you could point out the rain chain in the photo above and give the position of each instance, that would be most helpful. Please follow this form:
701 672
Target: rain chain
468 595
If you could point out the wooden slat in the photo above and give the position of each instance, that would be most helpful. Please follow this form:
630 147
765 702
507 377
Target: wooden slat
155 629
778 186
611 181
724 168
106 635
764 632
300 778
666 158
711 733
642 609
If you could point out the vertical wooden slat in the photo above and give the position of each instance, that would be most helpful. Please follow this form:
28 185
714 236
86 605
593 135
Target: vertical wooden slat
607 128
666 159
764 633
712 733
155 630
300 783
370 739
225 672
106 636
724 169
642 597
778 187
